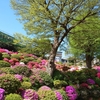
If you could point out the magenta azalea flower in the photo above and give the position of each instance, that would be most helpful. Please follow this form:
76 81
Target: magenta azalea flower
58 95
30 94
19 77
2 91
71 92
90 81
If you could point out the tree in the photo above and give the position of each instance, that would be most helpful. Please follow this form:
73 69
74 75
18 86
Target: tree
38 46
54 18
86 40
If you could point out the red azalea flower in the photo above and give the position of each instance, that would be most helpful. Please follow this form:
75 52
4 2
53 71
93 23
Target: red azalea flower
98 75
84 85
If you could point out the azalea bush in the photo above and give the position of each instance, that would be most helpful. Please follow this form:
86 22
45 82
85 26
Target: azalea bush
9 83
26 76
6 70
22 70
45 93
40 78
13 97
6 55
4 64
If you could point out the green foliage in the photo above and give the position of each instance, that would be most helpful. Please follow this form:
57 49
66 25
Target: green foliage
97 80
72 77
26 79
54 19
32 45
47 79
13 97
58 75
17 56
5 55
22 70
84 41
9 83
40 78
4 64
59 83
26 85
46 94
26 60
90 73
6 70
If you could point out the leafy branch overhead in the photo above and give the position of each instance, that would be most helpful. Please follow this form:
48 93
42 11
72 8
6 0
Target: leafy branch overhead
54 18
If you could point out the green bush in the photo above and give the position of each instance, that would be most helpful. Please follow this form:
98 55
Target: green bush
59 83
47 79
89 73
26 85
9 83
58 75
26 79
22 70
17 56
6 70
26 60
46 94
5 55
72 77
4 64
40 78
97 80
13 97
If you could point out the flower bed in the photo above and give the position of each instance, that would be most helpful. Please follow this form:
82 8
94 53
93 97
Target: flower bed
23 77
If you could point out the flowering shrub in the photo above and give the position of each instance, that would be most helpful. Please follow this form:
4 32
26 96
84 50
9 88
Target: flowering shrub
17 56
6 70
46 94
4 64
13 97
26 60
84 85
13 61
29 73
58 95
19 77
40 78
98 75
71 93
6 55
9 83
2 91
26 85
44 88
90 81
59 83
30 94
63 93
21 70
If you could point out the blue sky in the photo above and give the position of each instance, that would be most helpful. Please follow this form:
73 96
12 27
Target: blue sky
8 20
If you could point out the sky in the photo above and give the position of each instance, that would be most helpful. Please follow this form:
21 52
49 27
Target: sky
8 20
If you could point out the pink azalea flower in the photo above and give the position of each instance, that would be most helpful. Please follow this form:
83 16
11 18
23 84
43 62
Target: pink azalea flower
98 75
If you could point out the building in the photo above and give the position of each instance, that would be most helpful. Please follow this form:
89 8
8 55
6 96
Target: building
58 56
6 41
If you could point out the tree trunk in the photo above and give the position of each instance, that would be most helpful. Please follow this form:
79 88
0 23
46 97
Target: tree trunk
51 62
89 59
